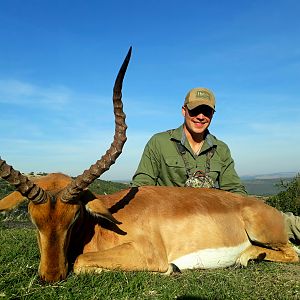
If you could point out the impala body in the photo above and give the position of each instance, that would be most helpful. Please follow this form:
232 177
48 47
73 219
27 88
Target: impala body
147 228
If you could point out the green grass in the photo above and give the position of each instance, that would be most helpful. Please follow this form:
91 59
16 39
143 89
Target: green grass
19 258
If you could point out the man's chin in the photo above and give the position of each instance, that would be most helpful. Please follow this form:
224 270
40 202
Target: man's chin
199 130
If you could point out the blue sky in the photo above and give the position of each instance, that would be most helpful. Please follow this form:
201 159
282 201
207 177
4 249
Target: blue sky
59 59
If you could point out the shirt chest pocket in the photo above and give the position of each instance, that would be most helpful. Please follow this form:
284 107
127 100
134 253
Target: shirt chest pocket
175 170
215 170
174 162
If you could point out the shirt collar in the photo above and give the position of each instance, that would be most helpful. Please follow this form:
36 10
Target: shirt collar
179 135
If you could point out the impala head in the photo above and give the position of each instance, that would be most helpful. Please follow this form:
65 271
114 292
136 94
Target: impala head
57 201
54 220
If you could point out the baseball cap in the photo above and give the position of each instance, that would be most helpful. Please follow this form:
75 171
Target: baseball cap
200 96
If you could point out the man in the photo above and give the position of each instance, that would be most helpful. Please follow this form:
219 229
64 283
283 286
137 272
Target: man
170 158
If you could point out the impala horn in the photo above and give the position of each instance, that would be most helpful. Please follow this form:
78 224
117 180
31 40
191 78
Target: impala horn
82 181
24 185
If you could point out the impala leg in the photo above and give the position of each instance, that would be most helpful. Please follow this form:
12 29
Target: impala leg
123 257
282 254
11 201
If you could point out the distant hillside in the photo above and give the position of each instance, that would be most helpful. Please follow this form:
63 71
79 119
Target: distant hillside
277 175
265 187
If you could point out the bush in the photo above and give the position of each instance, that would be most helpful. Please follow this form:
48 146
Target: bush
5 188
107 187
289 199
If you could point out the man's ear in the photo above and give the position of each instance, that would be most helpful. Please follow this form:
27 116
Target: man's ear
11 201
96 208
183 111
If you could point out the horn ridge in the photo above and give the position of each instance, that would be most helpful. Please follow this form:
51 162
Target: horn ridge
22 183
103 164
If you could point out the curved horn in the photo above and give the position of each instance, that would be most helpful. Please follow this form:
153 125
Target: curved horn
103 164
24 185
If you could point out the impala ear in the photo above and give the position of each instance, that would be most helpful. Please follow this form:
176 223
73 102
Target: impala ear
11 201
96 208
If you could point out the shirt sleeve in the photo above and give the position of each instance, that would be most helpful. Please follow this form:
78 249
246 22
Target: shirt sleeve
149 166
229 179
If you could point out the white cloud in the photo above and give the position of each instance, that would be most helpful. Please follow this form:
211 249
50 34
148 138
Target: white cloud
73 156
23 93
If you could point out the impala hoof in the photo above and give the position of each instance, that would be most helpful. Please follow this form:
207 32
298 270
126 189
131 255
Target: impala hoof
173 269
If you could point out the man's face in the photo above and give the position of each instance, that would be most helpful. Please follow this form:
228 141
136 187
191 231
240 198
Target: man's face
198 119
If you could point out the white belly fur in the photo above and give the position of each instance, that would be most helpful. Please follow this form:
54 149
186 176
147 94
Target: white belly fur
211 258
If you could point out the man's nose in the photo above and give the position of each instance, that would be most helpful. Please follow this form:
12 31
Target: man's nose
200 116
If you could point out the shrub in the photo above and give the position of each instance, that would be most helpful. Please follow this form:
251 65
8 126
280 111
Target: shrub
289 199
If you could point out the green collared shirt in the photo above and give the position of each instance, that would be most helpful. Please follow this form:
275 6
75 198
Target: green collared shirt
162 164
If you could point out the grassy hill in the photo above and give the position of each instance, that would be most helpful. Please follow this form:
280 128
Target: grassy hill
98 186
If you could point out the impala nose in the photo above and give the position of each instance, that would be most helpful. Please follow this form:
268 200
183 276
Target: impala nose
54 274
52 277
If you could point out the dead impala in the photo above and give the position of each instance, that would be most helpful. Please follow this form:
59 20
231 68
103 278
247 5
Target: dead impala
148 228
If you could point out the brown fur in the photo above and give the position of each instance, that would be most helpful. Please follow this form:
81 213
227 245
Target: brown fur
11 201
148 227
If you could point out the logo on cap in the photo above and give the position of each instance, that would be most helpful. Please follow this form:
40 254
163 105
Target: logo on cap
202 94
